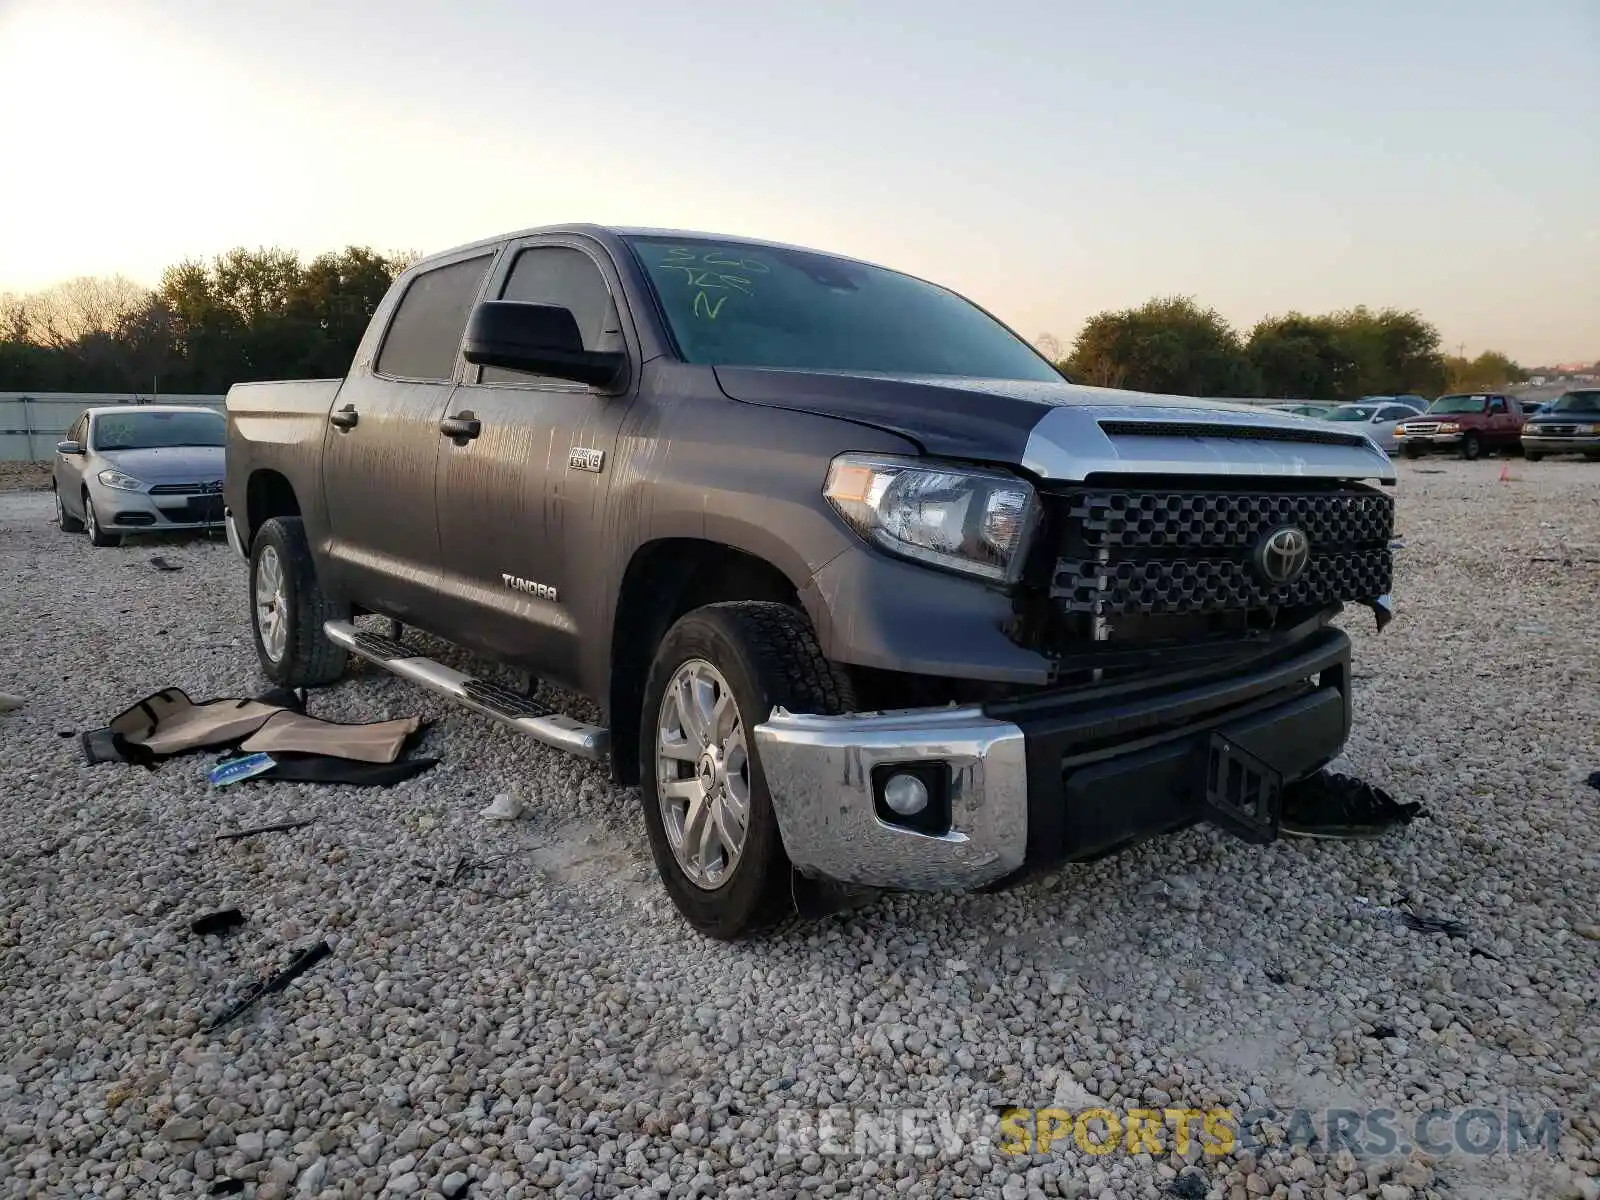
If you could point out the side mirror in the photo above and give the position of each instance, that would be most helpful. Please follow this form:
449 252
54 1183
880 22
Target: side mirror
541 339
69 447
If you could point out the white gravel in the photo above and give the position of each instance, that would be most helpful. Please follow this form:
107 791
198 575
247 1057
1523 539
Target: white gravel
547 1025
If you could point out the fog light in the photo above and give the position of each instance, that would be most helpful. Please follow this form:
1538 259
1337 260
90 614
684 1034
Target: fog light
905 794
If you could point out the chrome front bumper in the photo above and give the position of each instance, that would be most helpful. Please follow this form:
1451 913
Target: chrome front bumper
819 772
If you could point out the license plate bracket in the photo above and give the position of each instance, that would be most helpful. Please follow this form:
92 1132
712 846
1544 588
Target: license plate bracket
1242 793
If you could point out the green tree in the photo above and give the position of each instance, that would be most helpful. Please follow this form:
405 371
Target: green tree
1166 345
1395 352
1299 357
1491 369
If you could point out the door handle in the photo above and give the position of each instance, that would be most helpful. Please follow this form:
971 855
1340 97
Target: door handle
345 418
461 428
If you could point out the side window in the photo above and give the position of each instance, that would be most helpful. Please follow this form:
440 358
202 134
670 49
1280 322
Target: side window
424 335
569 278
1497 404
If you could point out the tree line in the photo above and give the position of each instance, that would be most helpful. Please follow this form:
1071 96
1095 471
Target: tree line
246 314
266 314
1174 345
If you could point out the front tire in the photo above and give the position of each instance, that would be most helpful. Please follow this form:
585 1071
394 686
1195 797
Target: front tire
1471 447
288 608
65 521
1532 455
97 536
1411 452
717 673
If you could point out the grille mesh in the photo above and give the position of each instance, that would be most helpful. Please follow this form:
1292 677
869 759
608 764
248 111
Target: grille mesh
1167 552
1183 585
1224 519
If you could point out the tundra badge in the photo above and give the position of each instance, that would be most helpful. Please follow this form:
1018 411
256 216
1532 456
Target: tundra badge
582 458
517 584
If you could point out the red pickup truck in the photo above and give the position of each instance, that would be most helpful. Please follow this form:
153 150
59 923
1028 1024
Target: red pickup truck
1466 424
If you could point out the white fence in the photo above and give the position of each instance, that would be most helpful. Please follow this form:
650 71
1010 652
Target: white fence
31 423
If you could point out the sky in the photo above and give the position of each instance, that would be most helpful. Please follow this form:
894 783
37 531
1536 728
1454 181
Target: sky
1048 158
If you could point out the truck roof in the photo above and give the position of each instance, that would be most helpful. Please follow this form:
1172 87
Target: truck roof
624 231
96 410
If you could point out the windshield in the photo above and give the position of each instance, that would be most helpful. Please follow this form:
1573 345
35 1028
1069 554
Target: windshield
151 430
1459 404
1354 413
736 304
1575 402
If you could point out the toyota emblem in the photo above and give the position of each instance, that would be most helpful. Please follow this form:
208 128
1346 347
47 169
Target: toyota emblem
1281 555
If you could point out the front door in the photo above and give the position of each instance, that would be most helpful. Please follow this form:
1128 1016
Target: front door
69 469
522 504
383 441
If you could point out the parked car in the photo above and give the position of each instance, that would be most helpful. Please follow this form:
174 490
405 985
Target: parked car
865 594
1569 424
1377 421
1304 410
1411 400
1468 424
149 469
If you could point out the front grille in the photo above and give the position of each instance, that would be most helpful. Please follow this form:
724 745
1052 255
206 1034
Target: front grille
211 488
200 509
1218 429
1206 585
1421 427
1558 430
1192 551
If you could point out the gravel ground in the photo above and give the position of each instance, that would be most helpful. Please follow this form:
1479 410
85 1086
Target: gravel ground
546 1025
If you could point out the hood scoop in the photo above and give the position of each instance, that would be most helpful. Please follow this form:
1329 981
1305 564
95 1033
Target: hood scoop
1217 429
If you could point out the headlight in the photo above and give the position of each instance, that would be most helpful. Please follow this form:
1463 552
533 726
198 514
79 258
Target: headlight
959 518
123 483
1449 426
1588 429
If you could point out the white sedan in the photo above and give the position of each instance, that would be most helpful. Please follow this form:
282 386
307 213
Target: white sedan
1375 420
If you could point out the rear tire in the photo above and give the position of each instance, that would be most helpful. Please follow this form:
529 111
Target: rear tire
1471 447
288 608
1532 455
97 536
766 654
65 521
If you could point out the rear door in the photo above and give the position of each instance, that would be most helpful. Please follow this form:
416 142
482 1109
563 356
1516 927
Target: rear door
522 505
383 440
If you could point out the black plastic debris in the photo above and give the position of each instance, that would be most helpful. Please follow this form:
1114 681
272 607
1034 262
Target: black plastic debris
1423 924
1331 805
217 922
164 564
1594 781
298 966
1188 1187
1383 1032
1277 977
281 827
227 1187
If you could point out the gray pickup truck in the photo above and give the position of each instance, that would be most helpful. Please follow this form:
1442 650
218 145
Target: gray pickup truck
860 591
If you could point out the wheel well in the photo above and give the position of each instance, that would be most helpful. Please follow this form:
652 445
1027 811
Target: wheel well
665 580
268 495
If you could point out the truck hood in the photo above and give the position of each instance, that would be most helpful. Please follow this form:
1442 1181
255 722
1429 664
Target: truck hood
169 464
1069 431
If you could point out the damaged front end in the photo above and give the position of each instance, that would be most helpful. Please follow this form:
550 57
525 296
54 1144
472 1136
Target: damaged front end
1195 674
